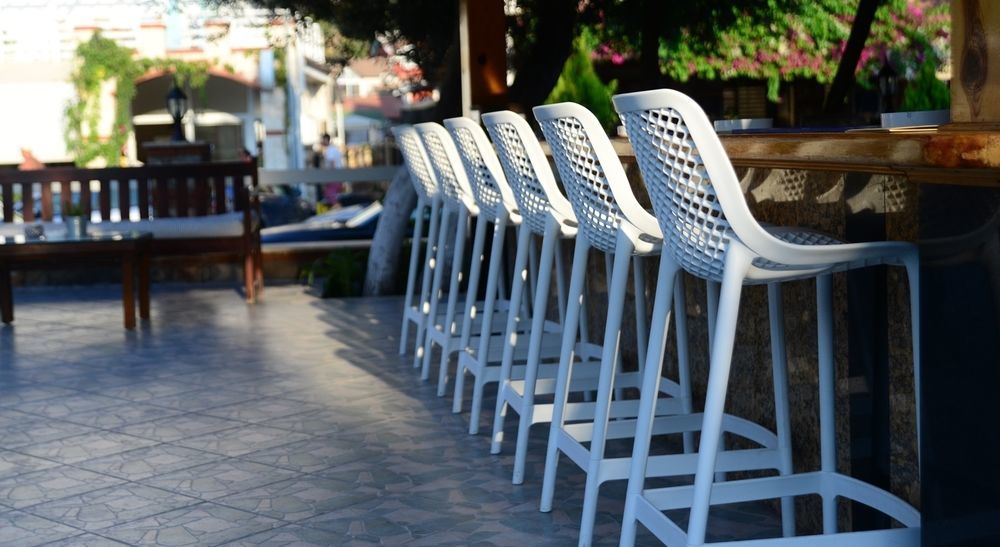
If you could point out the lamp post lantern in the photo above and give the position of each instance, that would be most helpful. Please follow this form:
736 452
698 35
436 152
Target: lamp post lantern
177 107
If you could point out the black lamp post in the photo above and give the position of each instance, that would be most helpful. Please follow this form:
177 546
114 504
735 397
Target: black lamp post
177 107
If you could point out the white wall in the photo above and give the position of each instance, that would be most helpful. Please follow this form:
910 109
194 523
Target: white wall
31 116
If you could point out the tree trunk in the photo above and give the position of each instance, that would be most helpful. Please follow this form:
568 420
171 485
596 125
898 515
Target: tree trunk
844 79
383 259
655 13
542 65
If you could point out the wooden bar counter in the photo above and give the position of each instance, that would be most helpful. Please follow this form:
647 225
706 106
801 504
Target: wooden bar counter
941 189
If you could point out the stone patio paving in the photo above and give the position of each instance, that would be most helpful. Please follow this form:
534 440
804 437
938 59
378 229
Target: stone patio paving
292 422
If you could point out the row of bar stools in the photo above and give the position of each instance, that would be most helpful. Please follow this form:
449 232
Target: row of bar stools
472 186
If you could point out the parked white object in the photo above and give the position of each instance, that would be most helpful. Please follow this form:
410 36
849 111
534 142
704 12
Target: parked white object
728 126
710 233
915 119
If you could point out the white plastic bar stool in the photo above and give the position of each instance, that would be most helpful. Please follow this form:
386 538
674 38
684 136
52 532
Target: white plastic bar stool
458 202
422 177
612 221
548 214
710 232
496 205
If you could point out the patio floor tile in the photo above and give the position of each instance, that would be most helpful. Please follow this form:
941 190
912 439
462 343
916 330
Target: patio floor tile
290 422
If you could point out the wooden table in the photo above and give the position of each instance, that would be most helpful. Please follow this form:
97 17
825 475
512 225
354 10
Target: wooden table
131 249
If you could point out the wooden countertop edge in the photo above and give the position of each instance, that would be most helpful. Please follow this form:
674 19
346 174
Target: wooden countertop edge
929 156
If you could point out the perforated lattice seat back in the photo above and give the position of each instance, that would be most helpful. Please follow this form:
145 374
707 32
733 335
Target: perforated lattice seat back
447 167
486 177
584 179
695 230
415 158
527 170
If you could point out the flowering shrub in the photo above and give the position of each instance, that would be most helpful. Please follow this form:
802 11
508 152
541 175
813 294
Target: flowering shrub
787 40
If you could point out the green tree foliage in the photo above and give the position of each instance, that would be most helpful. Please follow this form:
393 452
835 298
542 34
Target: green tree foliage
925 91
428 26
781 40
579 83
100 60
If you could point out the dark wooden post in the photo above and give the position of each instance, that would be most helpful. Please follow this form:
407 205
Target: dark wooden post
484 57
975 61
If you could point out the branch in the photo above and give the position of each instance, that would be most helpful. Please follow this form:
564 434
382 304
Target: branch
844 78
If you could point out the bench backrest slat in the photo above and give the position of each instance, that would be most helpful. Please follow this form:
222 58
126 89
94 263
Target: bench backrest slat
28 201
85 199
104 200
124 197
46 200
7 191
219 199
65 196
181 196
142 193
201 194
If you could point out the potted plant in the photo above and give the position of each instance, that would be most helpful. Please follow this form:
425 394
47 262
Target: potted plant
76 221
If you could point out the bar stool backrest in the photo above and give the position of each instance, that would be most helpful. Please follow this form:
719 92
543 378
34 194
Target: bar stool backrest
691 183
489 185
535 190
444 159
415 158
593 175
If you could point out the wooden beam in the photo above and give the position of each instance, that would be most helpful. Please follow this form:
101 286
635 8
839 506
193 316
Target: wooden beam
975 59
970 158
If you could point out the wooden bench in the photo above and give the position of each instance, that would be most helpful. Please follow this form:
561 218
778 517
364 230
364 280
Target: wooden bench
207 209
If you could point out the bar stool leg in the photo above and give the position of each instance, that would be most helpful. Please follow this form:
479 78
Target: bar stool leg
411 275
489 310
532 272
545 260
666 277
683 356
430 260
609 260
454 287
779 363
641 325
581 251
610 360
737 264
561 281
712 290
913 277
510 333
435 296
827 395
471 312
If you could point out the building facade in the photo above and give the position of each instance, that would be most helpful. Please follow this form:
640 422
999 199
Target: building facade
269 89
